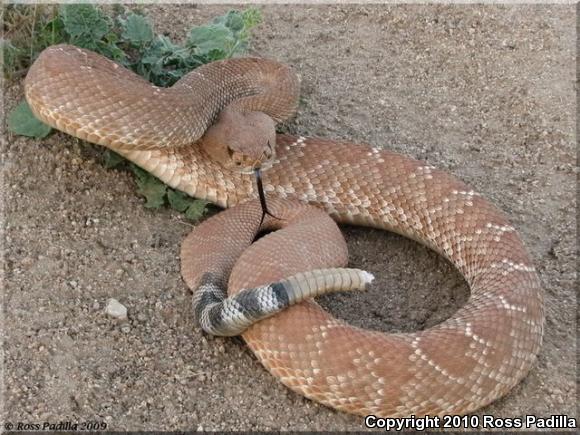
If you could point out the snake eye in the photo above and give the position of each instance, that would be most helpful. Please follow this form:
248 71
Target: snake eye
234 157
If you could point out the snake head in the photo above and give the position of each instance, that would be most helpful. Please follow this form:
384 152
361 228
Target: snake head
241 141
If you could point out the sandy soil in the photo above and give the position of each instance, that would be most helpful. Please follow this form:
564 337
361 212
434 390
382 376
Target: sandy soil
486 93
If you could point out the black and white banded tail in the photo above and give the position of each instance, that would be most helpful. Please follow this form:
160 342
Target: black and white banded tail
218 314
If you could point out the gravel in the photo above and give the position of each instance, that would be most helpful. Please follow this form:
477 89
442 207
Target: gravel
115 309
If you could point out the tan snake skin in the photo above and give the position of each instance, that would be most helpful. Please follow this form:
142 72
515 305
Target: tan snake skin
467 361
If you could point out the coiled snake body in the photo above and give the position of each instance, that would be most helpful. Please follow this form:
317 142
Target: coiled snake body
465 362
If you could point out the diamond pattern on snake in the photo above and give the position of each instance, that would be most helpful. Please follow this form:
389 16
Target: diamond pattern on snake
211 135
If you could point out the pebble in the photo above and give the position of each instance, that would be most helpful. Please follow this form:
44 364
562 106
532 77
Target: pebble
116 309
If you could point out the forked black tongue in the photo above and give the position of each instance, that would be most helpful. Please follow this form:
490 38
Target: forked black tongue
262 196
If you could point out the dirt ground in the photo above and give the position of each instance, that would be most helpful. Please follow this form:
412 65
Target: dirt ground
486 93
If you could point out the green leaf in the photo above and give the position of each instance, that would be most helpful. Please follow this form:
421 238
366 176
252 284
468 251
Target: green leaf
137 30
53 32
22 121
239 25
252 17
196 210
141 174
178 200
150 187
163 62
211 37
85 24
164 45
232 20
110 50
112 159
216 54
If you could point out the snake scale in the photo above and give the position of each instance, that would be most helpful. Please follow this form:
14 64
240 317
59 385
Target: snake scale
457 366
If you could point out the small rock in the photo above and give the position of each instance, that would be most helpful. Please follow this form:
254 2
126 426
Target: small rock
125 329
116 309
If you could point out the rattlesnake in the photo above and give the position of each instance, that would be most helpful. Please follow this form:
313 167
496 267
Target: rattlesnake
465 362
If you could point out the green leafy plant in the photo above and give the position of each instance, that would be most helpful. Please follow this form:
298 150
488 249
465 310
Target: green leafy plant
128 38
22 121
163 62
